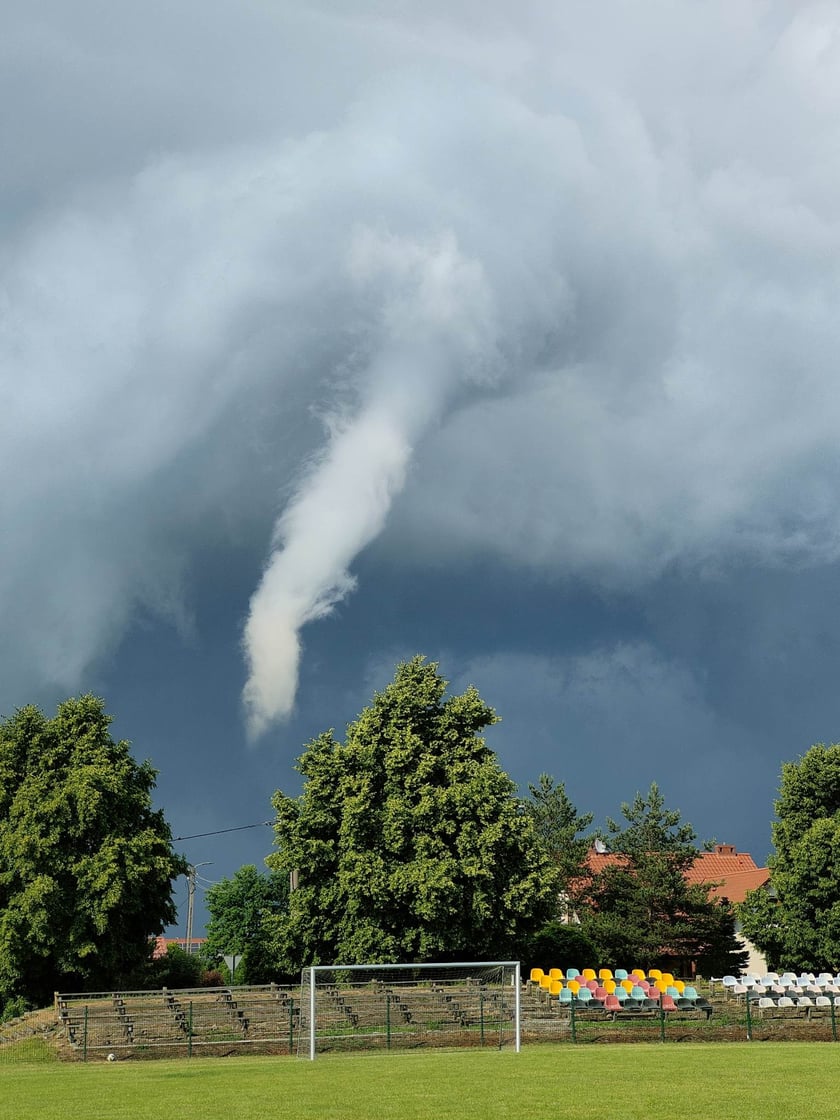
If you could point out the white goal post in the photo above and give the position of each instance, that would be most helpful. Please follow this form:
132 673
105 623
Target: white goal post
457 1003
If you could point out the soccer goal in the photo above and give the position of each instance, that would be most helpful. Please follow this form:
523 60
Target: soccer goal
390 1006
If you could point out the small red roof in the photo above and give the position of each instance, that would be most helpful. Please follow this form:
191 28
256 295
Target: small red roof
732 873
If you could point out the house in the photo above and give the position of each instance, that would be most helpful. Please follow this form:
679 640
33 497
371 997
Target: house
163 943
728 873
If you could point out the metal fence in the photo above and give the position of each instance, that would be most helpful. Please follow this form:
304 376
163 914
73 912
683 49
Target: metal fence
272 1019
181 1022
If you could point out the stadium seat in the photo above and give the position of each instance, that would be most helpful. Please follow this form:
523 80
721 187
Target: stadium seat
610 986
556 973
668 1003
536 975
627 985
668 977
605 974
573 986
621 994
638 993
690 992
565 996
600 993
572 973
612 1003
589 974
584 996
654 974
637 973
620 974
555 987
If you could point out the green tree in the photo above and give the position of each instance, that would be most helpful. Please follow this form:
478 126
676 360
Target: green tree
408 841
560 828
86 864
639 906
797 924
239 908
175 969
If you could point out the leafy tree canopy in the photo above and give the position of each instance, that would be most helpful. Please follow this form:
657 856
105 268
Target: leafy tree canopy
559 828
239 908
797 926
408 840
86 864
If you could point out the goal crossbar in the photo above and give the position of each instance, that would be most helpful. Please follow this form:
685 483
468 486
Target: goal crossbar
514 967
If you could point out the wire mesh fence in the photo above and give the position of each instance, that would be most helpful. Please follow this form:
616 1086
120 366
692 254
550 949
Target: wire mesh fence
357 1011
186 1022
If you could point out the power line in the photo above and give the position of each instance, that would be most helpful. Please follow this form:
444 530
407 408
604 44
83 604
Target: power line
219 831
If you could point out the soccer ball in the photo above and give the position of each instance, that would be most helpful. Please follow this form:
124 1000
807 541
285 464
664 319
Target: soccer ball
112 1057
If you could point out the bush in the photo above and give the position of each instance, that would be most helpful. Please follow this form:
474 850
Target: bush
177 969
557 945
13 1008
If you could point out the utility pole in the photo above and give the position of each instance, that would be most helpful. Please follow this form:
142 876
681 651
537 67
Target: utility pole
191 871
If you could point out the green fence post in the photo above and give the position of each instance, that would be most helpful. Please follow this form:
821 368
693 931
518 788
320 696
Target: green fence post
749 1018
833 1021
291 1023
572 1019
661 1018
388 1020
84 1036
481 1015
190 1034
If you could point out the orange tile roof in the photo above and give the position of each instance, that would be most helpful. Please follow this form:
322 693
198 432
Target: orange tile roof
732 873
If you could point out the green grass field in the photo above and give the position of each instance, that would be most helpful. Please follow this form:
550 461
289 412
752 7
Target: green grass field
727 1081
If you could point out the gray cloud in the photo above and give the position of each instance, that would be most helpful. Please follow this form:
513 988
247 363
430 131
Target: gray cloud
592 334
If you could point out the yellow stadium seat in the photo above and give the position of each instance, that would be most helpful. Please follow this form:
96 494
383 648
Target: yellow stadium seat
628 985
605 974
661 985
545 982
589 974
536 975
609 986
654 974
680 986
639 973
556 973
668 977
555 988
574 987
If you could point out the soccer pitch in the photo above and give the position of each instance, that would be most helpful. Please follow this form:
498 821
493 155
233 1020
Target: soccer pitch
725 1081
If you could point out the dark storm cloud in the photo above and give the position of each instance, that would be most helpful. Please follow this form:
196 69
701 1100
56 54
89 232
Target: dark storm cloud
556 290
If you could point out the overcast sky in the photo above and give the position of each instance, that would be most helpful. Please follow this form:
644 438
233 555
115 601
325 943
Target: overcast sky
336 331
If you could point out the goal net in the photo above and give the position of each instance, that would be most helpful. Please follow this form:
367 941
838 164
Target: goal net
390 1006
